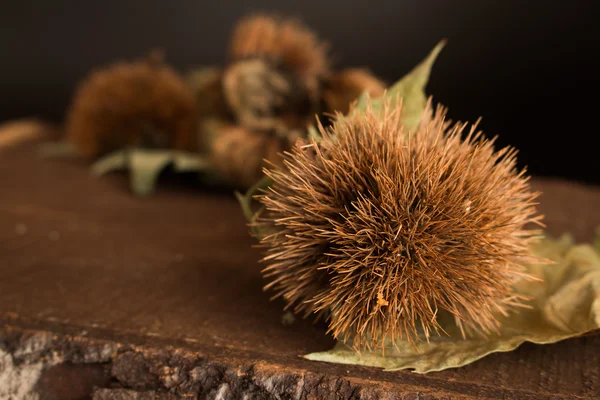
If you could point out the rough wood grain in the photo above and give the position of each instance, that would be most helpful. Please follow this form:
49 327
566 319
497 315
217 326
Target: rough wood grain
107 296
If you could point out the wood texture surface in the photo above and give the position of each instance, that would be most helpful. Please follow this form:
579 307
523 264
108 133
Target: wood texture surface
108 296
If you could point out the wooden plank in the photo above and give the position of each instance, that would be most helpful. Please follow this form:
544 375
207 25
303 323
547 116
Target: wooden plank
105 293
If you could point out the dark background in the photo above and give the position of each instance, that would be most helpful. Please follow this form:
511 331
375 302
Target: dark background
524 66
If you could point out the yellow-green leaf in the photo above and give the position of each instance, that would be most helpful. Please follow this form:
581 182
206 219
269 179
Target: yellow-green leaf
410 90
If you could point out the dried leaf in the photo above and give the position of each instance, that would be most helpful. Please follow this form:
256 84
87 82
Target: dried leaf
565 303
246 201
410 90
190 162
114 161
145 166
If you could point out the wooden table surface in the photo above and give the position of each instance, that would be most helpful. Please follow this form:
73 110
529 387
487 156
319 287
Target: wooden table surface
108 296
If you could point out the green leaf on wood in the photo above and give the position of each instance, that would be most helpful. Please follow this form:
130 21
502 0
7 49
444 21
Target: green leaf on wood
145 166
190 162
114 161
565 303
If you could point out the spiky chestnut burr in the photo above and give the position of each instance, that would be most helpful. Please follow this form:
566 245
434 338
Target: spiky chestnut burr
239 154
385 229
277 81
132 103
272 83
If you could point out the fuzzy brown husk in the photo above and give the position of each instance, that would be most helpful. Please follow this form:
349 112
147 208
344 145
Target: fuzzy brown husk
207 85
278 81
384 230
283 41
273 81
266 98
240 154
129 104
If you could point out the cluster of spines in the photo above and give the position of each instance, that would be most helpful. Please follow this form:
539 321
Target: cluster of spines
384 230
